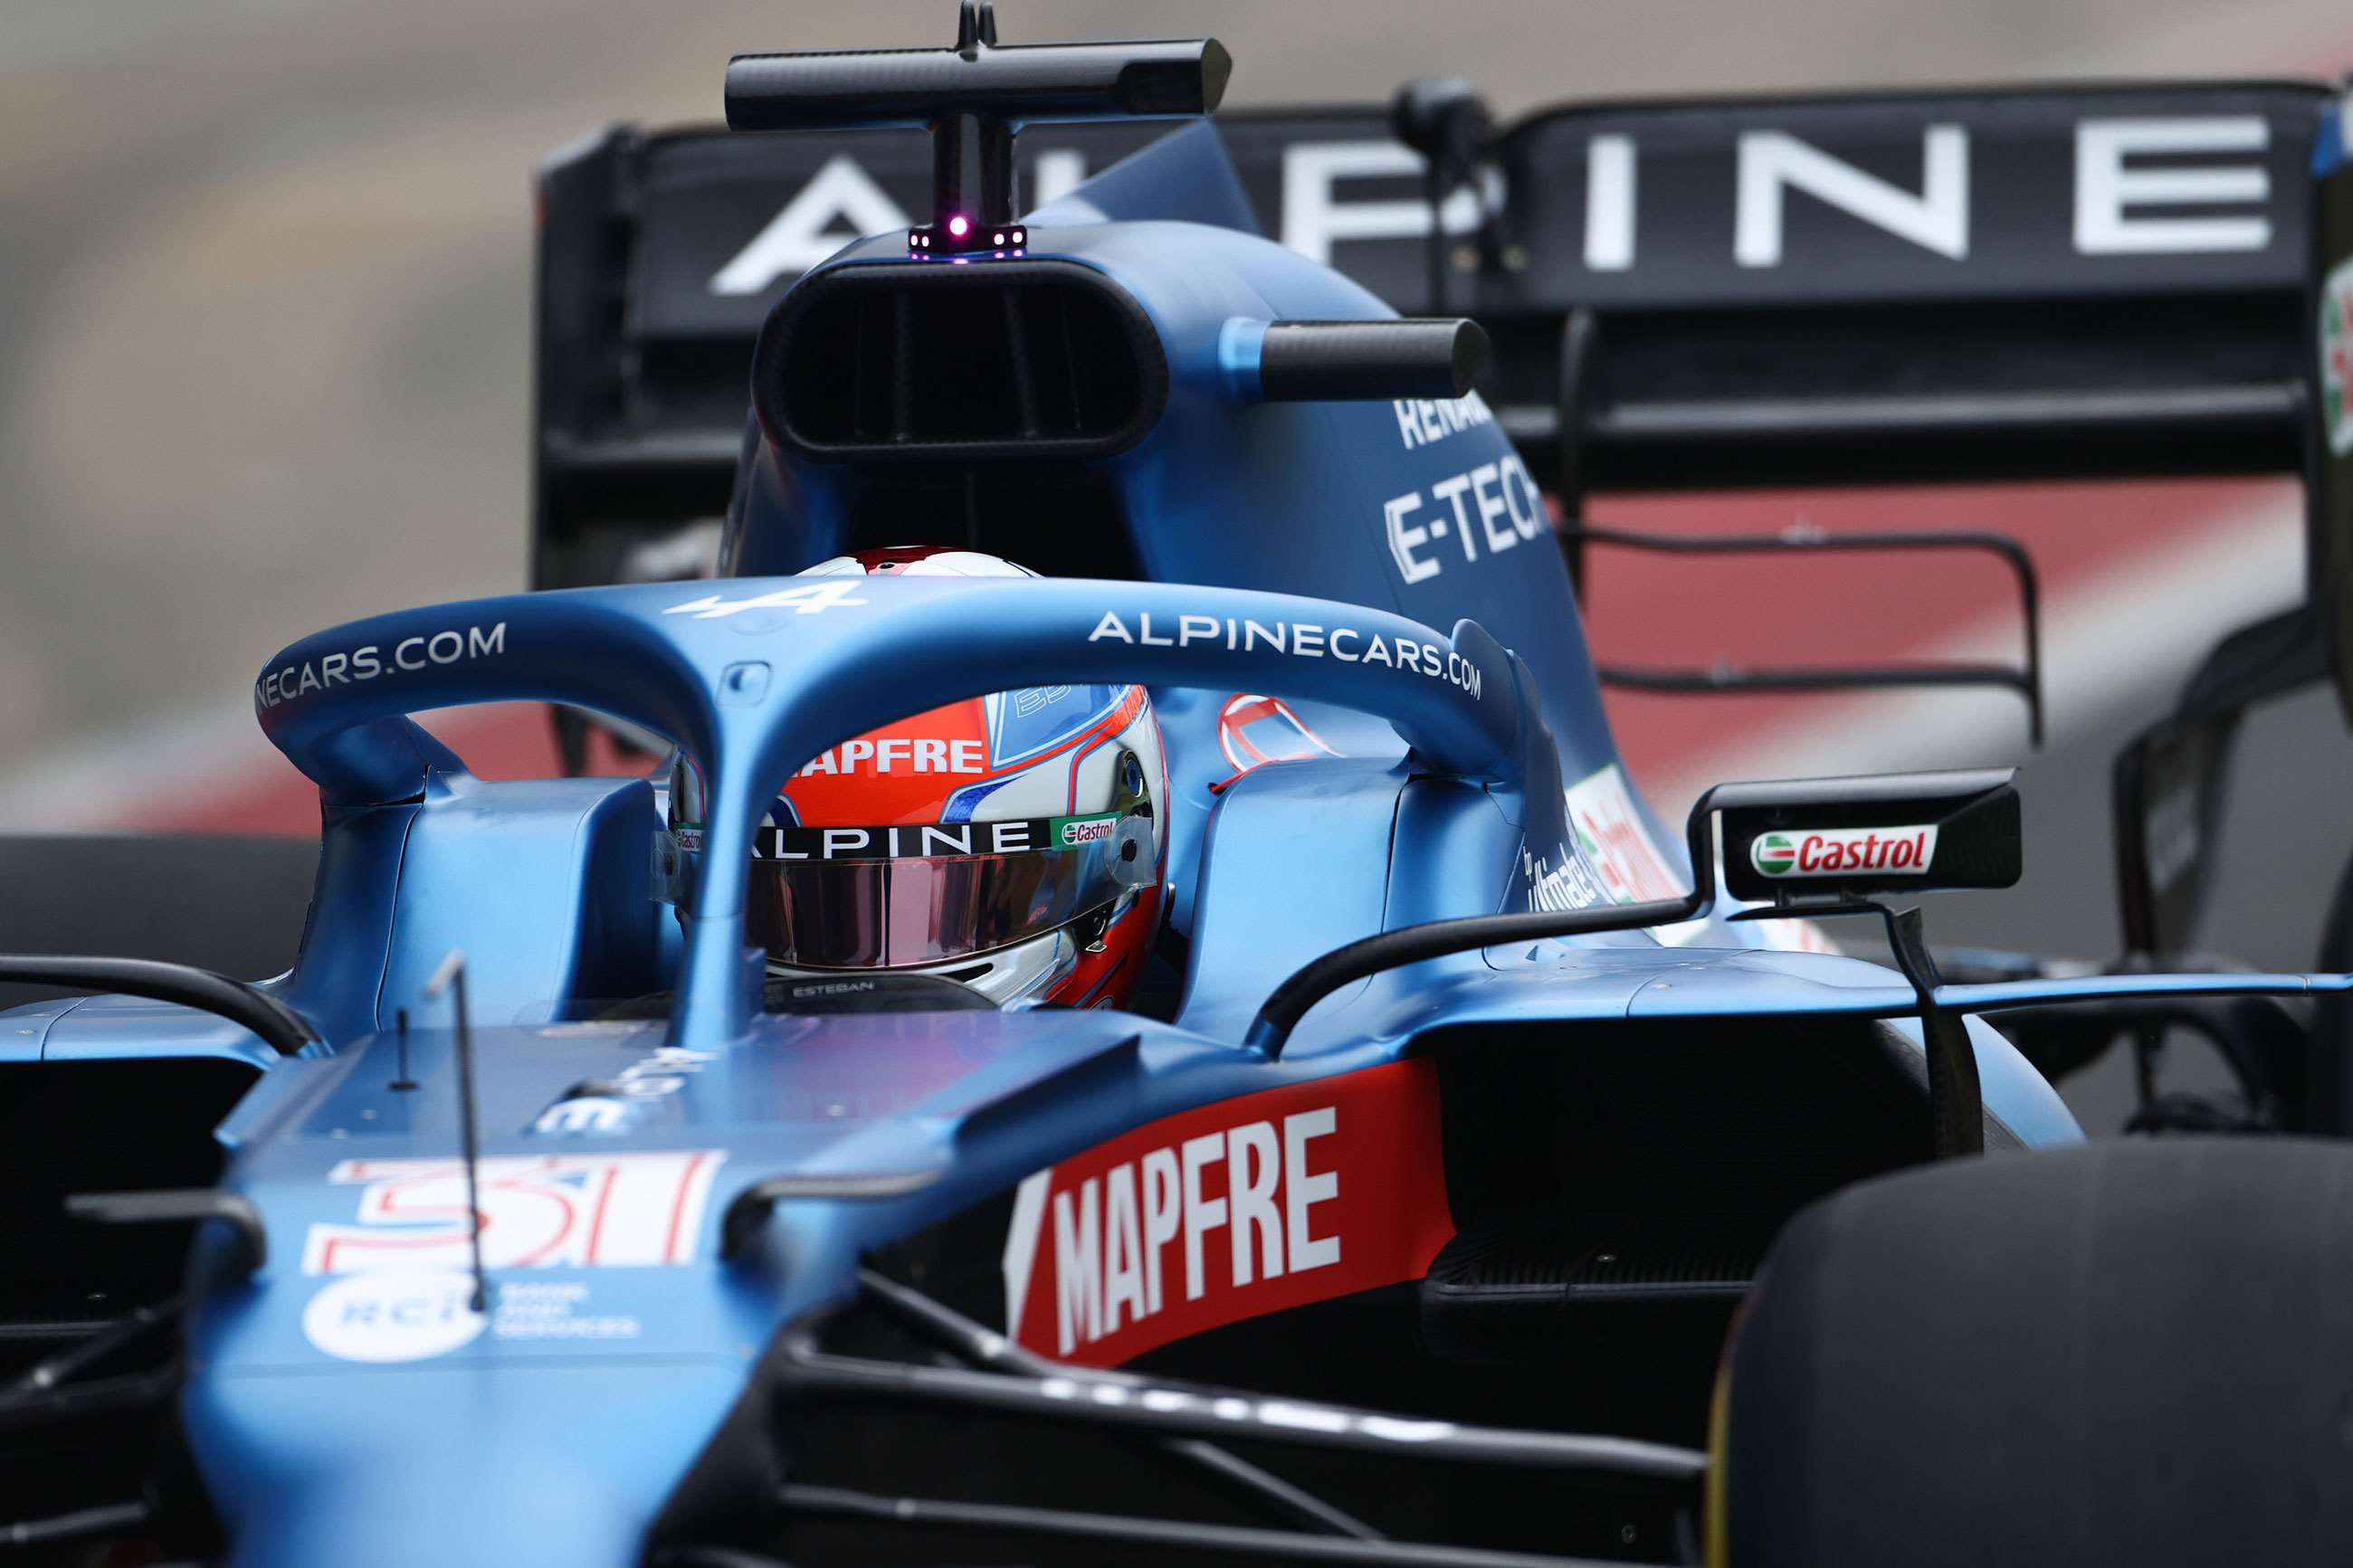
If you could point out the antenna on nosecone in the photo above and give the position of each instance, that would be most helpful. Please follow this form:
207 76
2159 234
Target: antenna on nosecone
401 1080
452 976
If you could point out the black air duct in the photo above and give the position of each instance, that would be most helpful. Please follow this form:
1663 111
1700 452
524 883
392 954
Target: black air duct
1019 359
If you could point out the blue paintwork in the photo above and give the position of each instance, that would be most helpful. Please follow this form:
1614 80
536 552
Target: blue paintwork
2328 141
515 1451
1187 178
1241 343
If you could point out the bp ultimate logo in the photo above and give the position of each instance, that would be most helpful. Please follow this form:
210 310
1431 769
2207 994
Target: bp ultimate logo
1845 852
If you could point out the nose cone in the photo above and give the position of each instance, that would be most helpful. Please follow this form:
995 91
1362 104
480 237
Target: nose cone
455 1464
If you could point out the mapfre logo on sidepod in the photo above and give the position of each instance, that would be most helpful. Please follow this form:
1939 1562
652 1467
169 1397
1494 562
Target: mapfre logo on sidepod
1227 1211
1845 852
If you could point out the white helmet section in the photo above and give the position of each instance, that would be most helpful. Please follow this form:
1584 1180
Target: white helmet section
922 562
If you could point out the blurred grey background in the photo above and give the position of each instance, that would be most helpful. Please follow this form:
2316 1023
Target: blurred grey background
264 333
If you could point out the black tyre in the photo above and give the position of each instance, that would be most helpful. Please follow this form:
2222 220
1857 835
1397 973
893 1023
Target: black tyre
2137 1353
2331 1073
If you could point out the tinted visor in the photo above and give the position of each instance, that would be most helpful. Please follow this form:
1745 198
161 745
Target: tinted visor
878 897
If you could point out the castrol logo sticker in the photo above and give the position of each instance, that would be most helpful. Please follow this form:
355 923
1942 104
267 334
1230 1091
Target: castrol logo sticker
1845 852
1230 1211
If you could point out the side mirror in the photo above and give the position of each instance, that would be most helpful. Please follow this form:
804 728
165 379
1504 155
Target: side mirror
2168 793
1814 840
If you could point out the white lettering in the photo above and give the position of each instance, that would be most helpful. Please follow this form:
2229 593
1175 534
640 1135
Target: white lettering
1303 1192
1112 1230
803 598
2104 188
1313 216
1409 428
1527 515
1123 1248
1162 1214
1058 172
1078 1296
1253 1165
950 842
1491 507
1405 540
1937 220
1349 645
799 236
1422 422
1451 491
1609 203
1201 1214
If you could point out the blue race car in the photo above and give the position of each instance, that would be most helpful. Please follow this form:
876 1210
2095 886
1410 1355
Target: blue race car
1387 1119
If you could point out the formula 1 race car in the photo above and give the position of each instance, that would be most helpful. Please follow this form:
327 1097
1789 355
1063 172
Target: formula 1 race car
1460 1110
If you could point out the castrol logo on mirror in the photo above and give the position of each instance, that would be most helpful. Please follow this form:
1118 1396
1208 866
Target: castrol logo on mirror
1228 1211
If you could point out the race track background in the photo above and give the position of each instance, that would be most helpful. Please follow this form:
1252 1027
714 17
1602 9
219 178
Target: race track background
264 282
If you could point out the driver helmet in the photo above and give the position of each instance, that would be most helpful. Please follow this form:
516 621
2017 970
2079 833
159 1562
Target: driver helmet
1015 842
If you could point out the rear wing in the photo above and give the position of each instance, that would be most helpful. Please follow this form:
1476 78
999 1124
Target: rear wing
2079 281
2015 283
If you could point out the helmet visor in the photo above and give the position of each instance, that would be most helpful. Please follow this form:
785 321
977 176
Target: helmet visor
878 897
